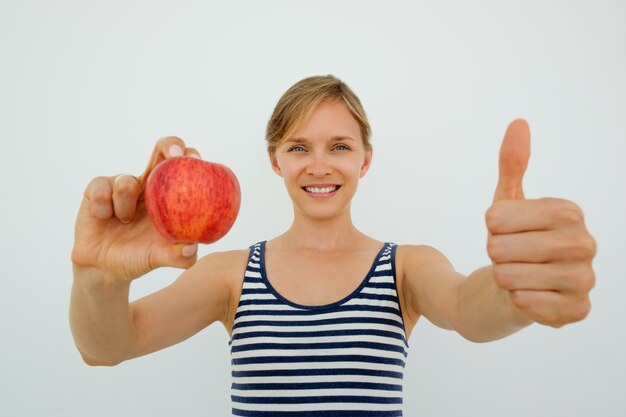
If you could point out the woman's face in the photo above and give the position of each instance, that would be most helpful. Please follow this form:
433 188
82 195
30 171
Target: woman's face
323 161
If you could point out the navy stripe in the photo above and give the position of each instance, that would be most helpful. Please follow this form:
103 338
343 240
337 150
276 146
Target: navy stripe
316 372
325 333
294 312
252 280
379 297
383 272
260 302
325 413
328 345
274 301
323 322
379 285
248 291
318 385
317 399
318 358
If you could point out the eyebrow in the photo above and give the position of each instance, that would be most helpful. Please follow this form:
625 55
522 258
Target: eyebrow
333 138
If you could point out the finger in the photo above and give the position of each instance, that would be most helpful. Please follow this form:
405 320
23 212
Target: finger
514 155
193 153
561 277
512 216
180 255
167 147
125 194
98 193
550 308
570 245
527 247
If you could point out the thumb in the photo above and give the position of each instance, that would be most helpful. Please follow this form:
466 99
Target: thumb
179 255
514 155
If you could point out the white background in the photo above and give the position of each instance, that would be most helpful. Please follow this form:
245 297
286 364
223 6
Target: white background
87 87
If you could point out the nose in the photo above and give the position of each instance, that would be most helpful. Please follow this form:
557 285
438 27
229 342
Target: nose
319 165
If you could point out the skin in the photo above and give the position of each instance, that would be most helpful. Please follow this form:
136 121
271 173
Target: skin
540 249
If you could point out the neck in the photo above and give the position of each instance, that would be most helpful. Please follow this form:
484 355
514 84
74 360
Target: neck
322 234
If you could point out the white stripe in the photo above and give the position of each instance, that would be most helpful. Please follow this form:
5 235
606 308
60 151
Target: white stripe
278 307
246 297
318 365
318 339
316 378
283 353
383 267
379 291
384 258
368 302
252 274
317 392
253 285
316 407
303 319
254 265
387 279
342 326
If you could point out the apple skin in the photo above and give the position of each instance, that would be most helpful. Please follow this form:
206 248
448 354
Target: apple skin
193 201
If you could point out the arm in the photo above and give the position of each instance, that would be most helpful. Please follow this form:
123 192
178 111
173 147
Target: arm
108 329
485 311
474 306
500 299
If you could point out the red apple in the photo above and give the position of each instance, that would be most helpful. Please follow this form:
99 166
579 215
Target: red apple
193 201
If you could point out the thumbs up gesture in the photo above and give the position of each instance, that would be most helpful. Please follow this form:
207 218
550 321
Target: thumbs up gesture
540 249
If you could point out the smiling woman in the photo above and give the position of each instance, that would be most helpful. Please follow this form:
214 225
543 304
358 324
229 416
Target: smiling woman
320 316
322 162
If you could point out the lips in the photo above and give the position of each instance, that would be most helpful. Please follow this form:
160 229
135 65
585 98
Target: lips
321 189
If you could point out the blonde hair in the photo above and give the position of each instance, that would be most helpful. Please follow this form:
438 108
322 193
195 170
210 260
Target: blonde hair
295 107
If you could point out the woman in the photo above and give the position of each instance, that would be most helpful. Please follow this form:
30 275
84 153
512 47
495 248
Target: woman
319 316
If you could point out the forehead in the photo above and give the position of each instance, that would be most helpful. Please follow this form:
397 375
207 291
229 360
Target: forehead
330 119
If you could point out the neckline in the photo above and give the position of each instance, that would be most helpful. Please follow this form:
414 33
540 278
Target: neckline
322 306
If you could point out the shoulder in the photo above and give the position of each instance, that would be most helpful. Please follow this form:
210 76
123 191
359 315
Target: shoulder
415 266
418 256
426 281
227 260
227 267
216 274
415 262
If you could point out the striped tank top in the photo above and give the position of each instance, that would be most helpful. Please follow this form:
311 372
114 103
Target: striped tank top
344 359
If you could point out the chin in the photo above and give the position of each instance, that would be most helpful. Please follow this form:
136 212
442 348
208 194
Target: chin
323 213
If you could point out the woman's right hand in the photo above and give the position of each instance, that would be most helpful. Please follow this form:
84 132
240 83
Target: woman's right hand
114 236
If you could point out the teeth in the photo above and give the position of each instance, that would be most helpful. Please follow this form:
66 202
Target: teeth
322 190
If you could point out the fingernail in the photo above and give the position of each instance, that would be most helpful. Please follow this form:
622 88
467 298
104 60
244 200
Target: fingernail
175 150
189 250
195 155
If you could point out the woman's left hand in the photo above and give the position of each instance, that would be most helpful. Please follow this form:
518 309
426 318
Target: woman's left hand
540 249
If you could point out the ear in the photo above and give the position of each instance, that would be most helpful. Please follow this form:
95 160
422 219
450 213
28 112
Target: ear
367 162
274 162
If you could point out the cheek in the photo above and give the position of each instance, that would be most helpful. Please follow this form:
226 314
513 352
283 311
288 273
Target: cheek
291 171
351 168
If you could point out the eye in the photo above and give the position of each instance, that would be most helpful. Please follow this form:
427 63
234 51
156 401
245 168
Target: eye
342 147
296 148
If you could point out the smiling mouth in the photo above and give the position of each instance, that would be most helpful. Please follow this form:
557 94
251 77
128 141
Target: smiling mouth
321 190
